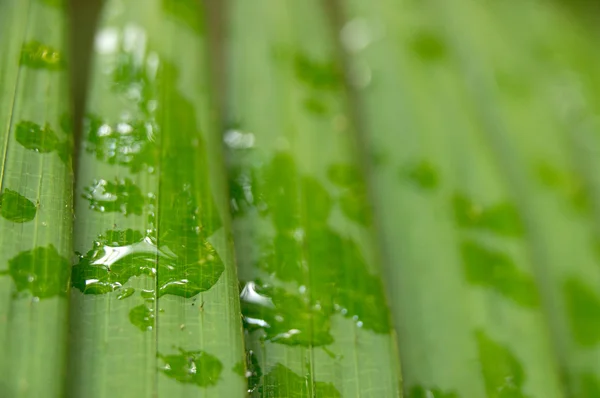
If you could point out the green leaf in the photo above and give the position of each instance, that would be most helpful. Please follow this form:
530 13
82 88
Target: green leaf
35 200
497 258
155 265
313 301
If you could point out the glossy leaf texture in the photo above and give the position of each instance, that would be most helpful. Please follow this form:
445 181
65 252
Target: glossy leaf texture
35 198
313 302
155 308
483 137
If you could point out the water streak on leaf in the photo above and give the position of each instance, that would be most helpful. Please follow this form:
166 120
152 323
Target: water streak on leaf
16 207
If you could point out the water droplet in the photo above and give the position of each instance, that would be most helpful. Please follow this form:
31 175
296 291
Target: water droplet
127 292
142 317
119 196
35 137
356 35
583 307
236 139
107 41
193 367
40 56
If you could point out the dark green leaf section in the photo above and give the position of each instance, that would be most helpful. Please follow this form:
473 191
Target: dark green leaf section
353 193
16 207
590 386
121 196
294 386
43 139
503 374
423 174
116 256
186 202
340 281
186 11
583 308
193 367
487 266
501 219
41 56
41 271
567 184
429 46
496 270
422 392
319 75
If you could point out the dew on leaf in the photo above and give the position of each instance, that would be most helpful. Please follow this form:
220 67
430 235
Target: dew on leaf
115 257
129 144
583 307
192 367
340 280
16 207
142 317
196 269
497 271
127 292
121 196
35 137
186 266
242 190
285 318
42 271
